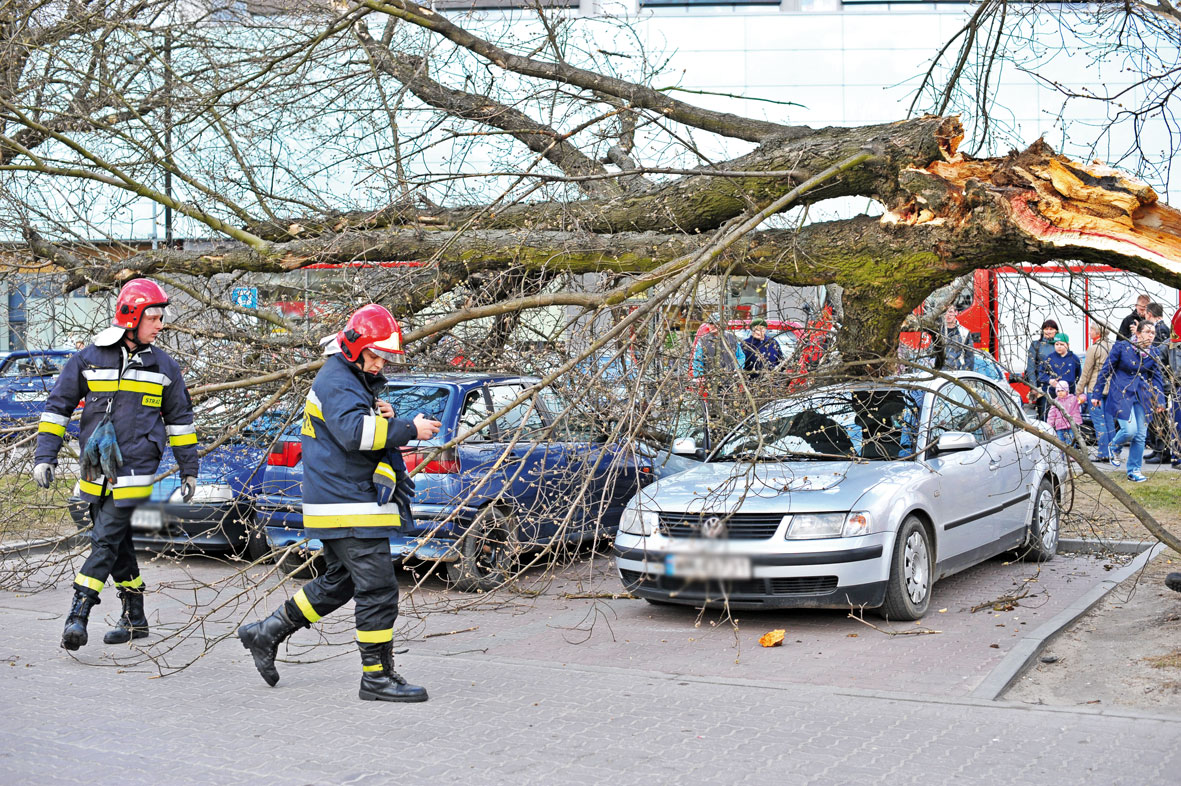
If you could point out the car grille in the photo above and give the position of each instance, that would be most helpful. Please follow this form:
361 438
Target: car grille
696 588
738 526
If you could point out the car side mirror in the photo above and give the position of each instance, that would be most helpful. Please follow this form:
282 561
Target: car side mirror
685 446
954 442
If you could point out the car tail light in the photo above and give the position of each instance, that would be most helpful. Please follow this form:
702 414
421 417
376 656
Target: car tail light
285 454
444 464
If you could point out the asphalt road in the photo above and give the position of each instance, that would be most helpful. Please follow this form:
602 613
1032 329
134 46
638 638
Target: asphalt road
546 686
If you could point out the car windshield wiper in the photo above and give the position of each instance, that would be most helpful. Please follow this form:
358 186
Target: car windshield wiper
754 455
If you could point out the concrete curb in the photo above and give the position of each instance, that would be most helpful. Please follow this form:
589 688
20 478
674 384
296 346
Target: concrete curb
39 545
1028 647
1100 546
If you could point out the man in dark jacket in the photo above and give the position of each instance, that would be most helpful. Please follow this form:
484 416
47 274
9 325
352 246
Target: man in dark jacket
135 399
1155 313
346 439
762 353
1127 327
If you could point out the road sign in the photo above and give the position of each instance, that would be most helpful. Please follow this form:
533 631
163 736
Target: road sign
245 297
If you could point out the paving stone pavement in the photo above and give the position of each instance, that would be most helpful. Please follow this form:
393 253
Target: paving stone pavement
536 694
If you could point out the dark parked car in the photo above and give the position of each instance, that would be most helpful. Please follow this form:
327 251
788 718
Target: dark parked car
532 477
220 516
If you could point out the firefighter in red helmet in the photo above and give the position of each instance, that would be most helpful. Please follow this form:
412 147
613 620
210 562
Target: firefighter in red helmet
347 437
135 400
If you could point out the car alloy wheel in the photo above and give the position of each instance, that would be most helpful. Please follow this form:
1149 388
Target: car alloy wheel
916 568
908 589
1044 524
487 552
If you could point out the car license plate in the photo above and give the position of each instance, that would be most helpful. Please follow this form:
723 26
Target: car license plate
28 395
708 566
147 520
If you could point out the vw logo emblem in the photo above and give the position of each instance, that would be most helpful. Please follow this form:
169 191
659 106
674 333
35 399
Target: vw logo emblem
713 527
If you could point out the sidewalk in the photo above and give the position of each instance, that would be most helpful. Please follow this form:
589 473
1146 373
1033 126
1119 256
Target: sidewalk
570 690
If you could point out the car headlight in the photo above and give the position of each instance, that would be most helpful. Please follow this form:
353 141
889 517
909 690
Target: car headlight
857 523
815 525
638 522
828 525
205 494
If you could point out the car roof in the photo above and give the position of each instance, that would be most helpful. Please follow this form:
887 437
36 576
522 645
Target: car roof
916 380
16 354
457 379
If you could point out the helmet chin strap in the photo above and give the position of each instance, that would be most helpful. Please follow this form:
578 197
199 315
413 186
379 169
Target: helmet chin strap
132 335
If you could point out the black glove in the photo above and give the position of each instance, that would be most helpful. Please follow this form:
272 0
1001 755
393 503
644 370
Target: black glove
188 487
406 485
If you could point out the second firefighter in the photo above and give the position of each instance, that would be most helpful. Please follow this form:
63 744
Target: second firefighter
349 468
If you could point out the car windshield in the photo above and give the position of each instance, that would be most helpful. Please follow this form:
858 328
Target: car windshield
409 400
33 366
877 424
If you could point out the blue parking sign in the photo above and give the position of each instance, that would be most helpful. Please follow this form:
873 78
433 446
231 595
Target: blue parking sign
245 297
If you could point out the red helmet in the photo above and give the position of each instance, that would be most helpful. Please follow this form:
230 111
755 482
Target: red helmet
372 327
135 298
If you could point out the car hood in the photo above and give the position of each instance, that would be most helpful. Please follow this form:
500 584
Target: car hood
771 486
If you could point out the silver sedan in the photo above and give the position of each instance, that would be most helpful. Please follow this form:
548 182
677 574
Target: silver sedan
861 496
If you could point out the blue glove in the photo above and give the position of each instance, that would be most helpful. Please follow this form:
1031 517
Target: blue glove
111 458
101 457
385 493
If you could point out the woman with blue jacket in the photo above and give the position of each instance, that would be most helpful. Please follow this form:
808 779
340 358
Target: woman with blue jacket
1137 388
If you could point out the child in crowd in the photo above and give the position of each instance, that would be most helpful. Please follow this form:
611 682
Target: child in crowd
1065 410
1064 365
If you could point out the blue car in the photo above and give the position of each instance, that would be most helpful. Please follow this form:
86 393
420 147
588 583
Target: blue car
220 516
534 477
26 377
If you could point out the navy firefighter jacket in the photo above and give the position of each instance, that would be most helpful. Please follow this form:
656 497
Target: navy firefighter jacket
149 405
345 443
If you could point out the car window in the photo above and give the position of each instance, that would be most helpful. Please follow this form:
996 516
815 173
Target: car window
33 366
995 426
475 411
522 420
954 410
409 400
875 424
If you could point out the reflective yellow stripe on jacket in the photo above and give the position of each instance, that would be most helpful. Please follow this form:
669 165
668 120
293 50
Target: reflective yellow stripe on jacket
349 514
93 489
311 409
106 380
53 424
132 492
179 436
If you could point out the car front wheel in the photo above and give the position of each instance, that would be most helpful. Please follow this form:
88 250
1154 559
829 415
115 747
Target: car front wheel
908 591
487 552
1042 544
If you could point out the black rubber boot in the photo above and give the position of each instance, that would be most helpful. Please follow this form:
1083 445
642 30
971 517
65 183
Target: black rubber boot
263 640
1173 582
133 623
379 681
74 636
